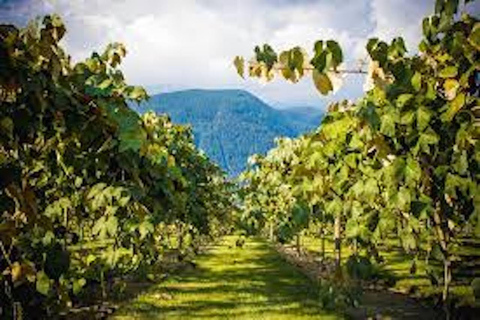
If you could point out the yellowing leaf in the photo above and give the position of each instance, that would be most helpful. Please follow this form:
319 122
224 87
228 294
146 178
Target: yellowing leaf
336 78
16 271
239 63
450 86
322 82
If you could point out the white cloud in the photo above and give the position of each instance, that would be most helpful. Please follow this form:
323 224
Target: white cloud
393 18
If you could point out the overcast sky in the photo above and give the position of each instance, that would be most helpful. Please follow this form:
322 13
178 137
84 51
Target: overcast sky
179 44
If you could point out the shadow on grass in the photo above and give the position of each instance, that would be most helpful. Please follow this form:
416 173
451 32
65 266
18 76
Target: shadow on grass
250 283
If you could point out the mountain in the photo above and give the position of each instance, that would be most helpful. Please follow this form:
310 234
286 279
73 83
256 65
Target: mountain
231 125
303 118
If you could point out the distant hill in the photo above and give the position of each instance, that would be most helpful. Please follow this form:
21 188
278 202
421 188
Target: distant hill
231 125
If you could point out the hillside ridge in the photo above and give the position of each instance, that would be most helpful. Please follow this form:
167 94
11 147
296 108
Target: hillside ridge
232 124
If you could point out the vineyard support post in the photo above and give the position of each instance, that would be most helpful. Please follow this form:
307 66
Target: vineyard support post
338 244
322 239
298 242
271 231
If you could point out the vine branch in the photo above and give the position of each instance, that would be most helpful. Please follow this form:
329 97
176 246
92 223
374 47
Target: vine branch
311 68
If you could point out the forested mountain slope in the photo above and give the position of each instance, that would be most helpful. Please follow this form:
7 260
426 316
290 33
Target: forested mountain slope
231 125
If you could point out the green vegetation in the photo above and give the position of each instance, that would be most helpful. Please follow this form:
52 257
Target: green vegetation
395 269
91 194
94 196
401 163
230 282
231 125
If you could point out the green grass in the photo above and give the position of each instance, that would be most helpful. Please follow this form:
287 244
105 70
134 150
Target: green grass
252 282
398 264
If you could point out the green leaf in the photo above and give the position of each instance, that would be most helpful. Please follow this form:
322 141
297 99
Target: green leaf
431 91
90 259
427 138
287 72
337 55
111 225
388 125
96 190
145 228
423 118
413 172
48 238
137 93
474 37
397 48
78 284
460 164
404 199
426 32
403 99
43 283
408 241
6 124
322 82
99 227
131 140
318 47
123 201
352 228
78 182
451 7
105 84
423 46
437 252
268 56
407 118
451 184
351 160
371 44
448 72
300 215
370 114
371 189
454 107
417 81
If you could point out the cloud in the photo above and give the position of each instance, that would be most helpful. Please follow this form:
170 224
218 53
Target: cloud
191 43
393 18
19 12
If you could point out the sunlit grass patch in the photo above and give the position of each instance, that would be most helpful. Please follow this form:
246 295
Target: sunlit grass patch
252 282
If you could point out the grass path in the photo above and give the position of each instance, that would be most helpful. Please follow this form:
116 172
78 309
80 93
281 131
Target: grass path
252 282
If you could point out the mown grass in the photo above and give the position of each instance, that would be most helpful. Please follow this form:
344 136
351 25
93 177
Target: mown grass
252 282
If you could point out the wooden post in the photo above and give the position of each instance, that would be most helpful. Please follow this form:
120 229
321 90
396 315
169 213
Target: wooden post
322 237
298 243
338 244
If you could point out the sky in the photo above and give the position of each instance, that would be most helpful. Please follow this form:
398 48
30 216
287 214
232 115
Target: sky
183 44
